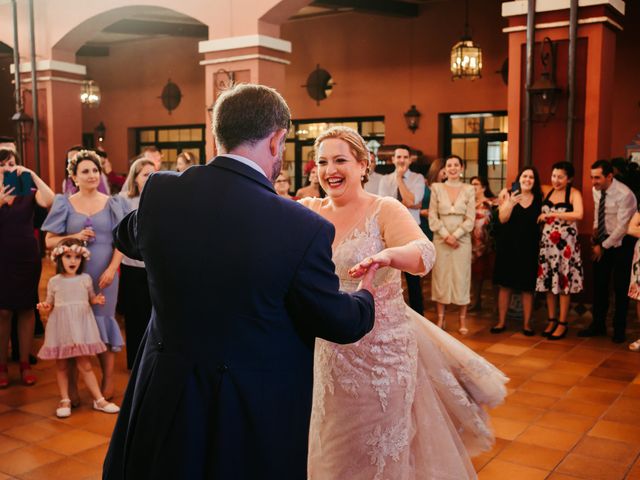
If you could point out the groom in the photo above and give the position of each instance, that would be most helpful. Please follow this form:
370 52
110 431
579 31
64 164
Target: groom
241 282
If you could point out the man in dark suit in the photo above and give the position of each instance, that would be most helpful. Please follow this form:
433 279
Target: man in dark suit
241 282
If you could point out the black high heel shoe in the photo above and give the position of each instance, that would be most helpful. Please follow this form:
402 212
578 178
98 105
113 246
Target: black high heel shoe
497 329
547 333
563 334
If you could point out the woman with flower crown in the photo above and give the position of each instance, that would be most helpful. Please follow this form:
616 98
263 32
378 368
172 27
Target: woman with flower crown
72 332
90 216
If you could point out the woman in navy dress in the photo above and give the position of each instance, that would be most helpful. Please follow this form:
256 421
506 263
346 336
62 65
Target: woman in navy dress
91 216
19 259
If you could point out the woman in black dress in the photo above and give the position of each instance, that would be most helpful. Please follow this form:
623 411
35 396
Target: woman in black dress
517 246
19 259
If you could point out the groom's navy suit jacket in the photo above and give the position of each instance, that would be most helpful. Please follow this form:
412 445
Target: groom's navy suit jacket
241 282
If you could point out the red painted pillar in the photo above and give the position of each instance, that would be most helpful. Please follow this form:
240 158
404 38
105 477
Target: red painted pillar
247 59
595 55
59 112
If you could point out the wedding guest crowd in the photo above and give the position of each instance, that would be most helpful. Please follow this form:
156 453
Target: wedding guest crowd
525 240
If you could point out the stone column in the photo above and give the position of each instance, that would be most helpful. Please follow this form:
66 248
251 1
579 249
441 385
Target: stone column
59 112
244 59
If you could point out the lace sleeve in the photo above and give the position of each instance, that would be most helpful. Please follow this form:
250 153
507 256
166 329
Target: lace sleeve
428 254
399 228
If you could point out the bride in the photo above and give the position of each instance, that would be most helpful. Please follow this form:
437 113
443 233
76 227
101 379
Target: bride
405 402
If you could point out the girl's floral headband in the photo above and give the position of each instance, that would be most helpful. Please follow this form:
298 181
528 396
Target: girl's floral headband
62 249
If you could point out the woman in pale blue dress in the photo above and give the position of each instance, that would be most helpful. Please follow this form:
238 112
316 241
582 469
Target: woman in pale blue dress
91 216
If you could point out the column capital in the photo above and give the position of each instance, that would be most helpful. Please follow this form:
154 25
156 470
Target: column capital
52 66
244 41
555 14
519 7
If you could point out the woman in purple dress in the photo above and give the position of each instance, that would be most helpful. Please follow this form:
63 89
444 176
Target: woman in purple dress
90 216
19 258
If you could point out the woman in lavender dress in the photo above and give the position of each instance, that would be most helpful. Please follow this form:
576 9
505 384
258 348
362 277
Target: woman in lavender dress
91 216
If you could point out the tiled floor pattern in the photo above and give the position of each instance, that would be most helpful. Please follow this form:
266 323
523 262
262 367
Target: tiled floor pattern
573 412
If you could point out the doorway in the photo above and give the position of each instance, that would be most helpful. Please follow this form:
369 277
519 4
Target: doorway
481 140
172 141
303 133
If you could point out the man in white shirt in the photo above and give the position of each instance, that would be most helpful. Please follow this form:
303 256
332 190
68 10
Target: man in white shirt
612 250
408 187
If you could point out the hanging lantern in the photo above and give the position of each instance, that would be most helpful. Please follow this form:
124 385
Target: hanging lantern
90 94
466 60
466 55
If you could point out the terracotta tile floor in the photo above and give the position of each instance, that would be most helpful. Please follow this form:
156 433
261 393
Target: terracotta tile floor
573 411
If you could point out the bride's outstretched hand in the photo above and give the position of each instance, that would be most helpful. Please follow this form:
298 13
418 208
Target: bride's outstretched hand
381 259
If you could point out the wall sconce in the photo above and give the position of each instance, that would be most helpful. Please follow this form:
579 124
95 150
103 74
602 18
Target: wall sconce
544 91
90 94
100 133
412 117
24 125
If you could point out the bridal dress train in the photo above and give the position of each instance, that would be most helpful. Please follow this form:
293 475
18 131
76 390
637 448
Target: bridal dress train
406 401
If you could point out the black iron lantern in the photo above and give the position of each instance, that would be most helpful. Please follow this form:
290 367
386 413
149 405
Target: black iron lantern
100 132
23 123
412 117
544 91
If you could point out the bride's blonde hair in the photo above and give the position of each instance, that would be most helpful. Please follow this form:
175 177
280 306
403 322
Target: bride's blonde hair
356 144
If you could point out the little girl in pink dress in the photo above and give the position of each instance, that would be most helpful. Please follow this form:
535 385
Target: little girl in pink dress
71 330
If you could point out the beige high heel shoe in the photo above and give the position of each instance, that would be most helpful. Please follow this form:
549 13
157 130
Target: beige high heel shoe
463 330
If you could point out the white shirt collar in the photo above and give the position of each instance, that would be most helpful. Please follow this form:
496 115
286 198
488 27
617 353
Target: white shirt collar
248 162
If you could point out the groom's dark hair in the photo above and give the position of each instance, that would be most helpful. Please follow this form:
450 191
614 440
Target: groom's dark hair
247 113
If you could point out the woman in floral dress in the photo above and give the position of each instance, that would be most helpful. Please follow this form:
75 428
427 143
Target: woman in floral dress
559 264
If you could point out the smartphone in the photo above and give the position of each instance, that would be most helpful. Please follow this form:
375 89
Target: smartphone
22 184
515 187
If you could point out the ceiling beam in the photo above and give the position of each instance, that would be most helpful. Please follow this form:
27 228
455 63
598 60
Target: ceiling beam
392 8
93 51
145 27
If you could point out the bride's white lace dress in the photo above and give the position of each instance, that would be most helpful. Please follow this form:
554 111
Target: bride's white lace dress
406 401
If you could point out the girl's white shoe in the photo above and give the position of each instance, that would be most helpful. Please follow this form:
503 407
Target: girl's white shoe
107 407
635 346
64 408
